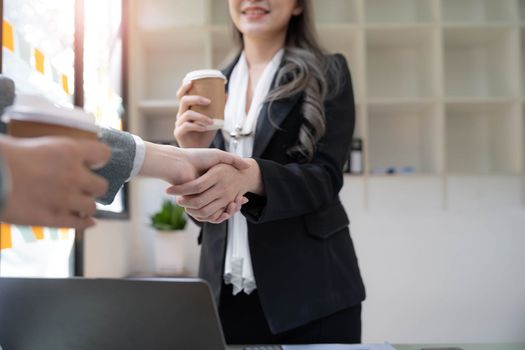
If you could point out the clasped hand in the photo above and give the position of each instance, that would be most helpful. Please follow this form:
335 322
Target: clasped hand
192 171
215 196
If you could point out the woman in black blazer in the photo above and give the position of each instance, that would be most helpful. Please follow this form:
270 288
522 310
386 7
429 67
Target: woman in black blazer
306 285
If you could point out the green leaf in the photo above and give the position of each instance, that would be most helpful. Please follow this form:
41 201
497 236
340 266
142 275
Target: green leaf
170 217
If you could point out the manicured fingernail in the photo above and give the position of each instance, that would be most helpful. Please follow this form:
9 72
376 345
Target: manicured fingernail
206 100
244 201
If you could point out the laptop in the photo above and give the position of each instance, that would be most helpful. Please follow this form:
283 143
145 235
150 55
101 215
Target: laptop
107 314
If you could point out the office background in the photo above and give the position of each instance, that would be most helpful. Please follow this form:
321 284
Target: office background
440 92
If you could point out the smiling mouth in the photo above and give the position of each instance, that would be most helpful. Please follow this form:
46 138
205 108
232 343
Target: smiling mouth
255 11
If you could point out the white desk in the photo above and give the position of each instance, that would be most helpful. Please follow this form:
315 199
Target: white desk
518 346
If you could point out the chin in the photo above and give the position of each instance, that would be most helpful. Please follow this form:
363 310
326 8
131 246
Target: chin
255 30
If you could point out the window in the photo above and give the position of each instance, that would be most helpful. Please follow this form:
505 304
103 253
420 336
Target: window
41 45
103 75
38 54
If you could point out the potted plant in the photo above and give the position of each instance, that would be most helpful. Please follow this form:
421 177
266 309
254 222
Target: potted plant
169 223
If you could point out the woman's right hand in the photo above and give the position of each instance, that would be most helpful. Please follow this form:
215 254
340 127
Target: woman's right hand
191 127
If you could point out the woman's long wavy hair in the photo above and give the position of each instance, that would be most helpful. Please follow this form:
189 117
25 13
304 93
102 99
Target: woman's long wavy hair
305 69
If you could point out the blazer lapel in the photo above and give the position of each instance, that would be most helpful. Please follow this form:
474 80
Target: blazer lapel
270 120
218 141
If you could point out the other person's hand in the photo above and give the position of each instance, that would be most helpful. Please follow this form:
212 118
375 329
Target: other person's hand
51 181
208 198
181 165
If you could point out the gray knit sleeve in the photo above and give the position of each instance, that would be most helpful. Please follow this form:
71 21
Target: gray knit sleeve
119 168
4 183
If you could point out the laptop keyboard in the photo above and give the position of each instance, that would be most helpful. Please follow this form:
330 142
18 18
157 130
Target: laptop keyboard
271 347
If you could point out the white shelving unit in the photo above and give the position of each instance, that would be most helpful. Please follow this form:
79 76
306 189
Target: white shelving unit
163 14
401 61
481 62
439 86
350 46
408 131
399 11
478 11
489 147
338 11
219 13
221 46
522 61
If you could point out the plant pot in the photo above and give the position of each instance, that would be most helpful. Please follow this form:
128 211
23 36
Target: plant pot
170 252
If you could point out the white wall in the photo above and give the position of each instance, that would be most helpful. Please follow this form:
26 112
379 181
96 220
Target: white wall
435 275
442 276
107 249
123 248
431 275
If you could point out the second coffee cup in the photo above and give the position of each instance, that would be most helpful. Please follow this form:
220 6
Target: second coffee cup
35 116
209 83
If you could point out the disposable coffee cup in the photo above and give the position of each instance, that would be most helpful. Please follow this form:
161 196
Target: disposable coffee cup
35 116
209 83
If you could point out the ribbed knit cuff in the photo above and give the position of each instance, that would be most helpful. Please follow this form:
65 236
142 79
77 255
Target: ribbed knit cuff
5 183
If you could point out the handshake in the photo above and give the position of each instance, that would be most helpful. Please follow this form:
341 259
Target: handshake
49 181
210 183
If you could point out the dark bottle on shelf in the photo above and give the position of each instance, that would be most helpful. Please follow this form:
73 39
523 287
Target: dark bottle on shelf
356 157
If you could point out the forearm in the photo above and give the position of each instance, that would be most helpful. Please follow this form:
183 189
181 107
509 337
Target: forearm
293 190
159 160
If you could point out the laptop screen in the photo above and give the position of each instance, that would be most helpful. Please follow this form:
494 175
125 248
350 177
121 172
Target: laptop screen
68 314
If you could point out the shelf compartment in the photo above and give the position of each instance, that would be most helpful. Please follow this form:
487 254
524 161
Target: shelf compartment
360 122
161 14
159 128
521 8
348 41
399 11
522 49
404 135
222 47
166 61
483 192
401 62
360 132
483 138
477 11
522 148
158 108
481 62
220 15
336 11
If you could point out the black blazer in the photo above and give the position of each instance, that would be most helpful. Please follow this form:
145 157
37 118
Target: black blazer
303 258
